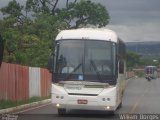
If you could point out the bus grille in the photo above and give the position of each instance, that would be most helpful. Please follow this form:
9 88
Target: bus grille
82 94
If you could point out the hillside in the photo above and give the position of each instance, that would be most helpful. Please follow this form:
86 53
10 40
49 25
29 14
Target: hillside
146 49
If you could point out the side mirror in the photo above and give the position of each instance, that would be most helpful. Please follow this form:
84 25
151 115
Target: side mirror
51 64
121 67
1 50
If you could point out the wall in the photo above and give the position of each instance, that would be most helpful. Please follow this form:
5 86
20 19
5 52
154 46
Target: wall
21 82
141 70
130 74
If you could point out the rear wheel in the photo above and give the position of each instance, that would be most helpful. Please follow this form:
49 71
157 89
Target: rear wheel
61 111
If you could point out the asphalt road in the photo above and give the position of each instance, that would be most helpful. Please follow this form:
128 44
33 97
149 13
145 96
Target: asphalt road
141 97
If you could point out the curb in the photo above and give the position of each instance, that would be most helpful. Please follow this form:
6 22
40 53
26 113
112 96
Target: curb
9 110
129 79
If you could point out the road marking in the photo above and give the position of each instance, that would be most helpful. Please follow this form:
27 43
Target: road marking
32 108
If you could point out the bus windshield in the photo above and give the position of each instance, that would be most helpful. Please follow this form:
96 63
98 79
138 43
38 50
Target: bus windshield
89 60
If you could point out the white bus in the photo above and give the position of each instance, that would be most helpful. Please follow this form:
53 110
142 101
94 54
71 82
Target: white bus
88 70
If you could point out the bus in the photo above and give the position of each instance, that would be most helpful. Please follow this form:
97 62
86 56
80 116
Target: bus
151 71
88 70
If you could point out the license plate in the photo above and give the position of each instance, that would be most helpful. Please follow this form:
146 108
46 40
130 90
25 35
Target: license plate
82 101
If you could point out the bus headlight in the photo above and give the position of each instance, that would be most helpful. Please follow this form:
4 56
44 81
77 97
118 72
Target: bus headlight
57 105
108 107
103 99
59 97
108 99
62 97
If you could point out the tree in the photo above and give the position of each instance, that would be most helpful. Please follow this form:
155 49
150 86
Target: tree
148 61
12 29
29 30
75 14
133 60
83 13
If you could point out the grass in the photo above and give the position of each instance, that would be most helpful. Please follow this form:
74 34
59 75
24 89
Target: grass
7 103
140 74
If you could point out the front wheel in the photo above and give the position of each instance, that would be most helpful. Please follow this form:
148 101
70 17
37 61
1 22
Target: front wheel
111 113
120 105
61 111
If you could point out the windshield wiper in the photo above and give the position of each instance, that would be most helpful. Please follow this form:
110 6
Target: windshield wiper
97 72
75 69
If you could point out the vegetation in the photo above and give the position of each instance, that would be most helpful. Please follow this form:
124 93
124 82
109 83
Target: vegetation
135 60
147 49
7 104
29 30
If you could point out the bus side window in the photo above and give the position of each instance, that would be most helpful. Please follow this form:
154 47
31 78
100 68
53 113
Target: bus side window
121 67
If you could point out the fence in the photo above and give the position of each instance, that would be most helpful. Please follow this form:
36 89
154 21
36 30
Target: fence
141 71
21 82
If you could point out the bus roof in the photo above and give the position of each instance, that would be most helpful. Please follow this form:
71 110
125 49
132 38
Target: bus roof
89 34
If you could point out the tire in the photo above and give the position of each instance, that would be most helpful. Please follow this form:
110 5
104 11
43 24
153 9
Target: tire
61 111
119 106
111 113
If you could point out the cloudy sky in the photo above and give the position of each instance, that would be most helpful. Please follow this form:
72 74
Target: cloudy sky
133 20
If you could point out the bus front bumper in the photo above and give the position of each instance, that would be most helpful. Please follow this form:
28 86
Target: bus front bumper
85 107
93 103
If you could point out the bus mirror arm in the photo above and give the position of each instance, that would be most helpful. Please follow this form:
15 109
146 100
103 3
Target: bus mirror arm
117 68
51 64
1 49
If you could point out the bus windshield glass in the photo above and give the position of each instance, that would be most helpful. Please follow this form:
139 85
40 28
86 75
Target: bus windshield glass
89 60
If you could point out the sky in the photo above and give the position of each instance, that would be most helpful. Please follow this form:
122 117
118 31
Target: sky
132 20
